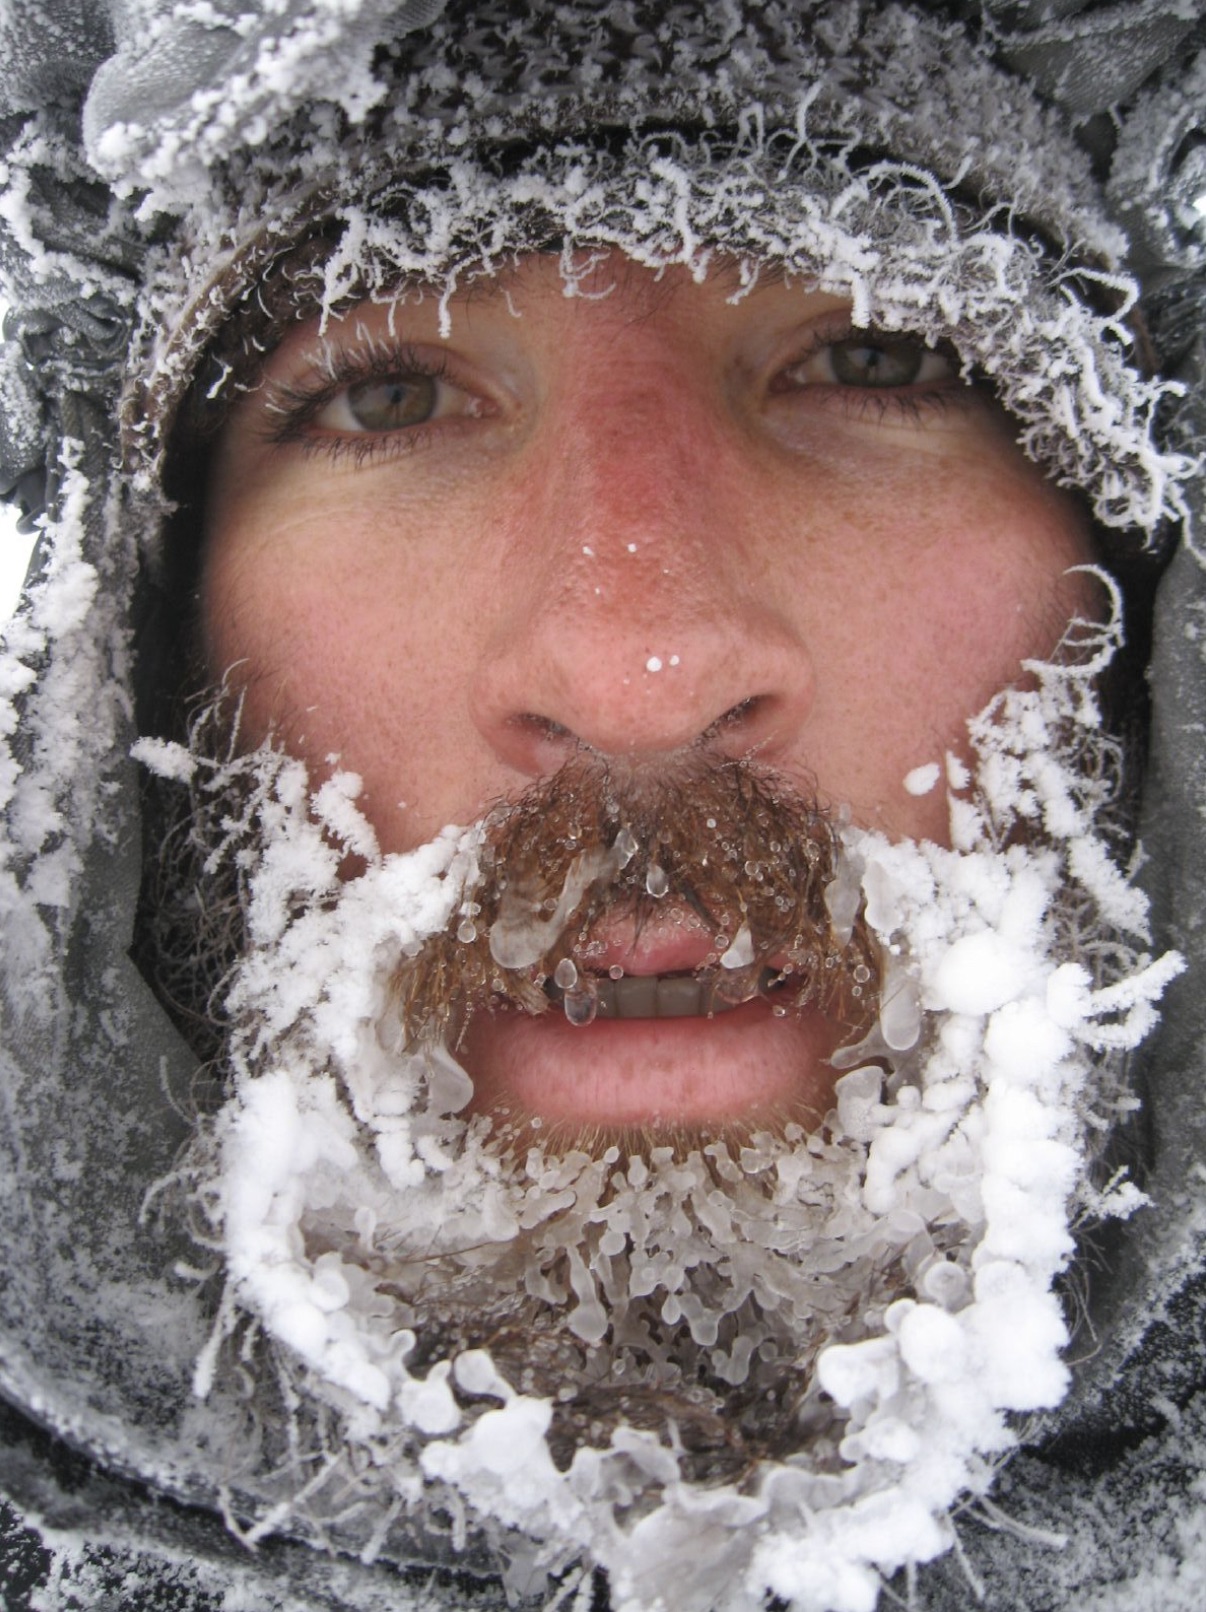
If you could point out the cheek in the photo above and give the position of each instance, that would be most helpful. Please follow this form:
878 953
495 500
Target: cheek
915 589
1004 586
344 647
931 612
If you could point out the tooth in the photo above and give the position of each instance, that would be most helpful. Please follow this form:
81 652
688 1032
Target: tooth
678 998
637 997
649 996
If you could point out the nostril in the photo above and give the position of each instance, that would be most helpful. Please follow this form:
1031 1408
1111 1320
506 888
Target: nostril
536 744
749 727
736 716
544 728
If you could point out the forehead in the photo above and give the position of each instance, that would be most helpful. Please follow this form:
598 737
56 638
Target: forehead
540 297
606 273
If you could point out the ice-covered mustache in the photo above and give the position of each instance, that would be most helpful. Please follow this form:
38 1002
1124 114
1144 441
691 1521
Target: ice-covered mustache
731 851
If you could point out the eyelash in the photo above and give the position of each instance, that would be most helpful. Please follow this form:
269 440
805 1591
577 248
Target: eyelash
878 404
291 407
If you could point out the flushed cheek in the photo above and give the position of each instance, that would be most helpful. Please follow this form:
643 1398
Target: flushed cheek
935 632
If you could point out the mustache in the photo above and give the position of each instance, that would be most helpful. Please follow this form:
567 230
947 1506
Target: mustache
734 850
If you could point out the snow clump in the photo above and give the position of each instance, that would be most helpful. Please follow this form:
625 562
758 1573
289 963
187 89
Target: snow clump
933 1210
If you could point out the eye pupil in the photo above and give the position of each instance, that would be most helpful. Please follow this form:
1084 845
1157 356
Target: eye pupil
389 405
877 363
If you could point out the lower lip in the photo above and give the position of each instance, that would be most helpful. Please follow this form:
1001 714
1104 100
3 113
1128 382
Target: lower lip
742 1067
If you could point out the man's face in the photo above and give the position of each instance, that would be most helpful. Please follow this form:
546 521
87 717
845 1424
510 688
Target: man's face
643 525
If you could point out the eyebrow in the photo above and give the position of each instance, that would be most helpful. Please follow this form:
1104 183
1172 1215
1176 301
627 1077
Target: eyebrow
480 286
731 272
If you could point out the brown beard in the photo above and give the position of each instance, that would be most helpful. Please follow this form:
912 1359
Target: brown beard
736 847
691 1252
727 842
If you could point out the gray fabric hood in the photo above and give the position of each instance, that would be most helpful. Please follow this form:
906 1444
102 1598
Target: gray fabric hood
159 160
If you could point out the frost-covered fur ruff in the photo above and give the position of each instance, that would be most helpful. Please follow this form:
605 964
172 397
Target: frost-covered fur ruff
843 144
720 1369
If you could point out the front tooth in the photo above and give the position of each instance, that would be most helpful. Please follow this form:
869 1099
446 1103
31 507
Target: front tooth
678 998
646 996
637 997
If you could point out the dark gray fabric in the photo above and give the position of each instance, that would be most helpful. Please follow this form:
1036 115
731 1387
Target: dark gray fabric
154 1555
1092 58
164 55
51 52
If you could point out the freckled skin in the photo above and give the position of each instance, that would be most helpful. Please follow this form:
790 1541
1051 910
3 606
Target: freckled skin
833 582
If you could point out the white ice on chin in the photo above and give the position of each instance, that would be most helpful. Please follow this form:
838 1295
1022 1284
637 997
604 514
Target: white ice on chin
957 1174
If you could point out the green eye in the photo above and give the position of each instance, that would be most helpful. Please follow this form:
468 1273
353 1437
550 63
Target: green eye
392 404
879 363
869 362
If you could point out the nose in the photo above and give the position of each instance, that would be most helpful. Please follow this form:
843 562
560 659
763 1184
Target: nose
640 609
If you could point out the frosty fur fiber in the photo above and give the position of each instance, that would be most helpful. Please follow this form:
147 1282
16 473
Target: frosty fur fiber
787 182
340 1159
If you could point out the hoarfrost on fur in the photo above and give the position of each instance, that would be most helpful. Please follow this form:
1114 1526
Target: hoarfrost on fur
886 236
53 801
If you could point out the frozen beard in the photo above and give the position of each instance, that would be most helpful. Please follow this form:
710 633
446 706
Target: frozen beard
612 894
766 1362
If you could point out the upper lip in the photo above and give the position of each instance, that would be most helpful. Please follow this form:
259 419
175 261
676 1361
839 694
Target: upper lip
669 940
662 965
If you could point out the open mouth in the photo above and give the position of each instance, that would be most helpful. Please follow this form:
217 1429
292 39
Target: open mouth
730 905
697 995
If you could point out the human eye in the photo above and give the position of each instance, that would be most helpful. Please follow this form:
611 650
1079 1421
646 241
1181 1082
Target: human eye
392 403
861 369
369 400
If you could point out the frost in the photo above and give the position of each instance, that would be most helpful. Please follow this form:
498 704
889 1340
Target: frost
347 1172
979 973
922 779
54 800
961 1156
886 236
164 758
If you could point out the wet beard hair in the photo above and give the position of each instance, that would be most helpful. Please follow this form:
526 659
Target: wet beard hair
740 850
662 1278
683 1285
678 1286
736 850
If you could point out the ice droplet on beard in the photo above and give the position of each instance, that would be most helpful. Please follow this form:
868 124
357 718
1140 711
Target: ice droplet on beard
741 952
657 881
519 936
843 894
900 1006
581 1005
625 846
